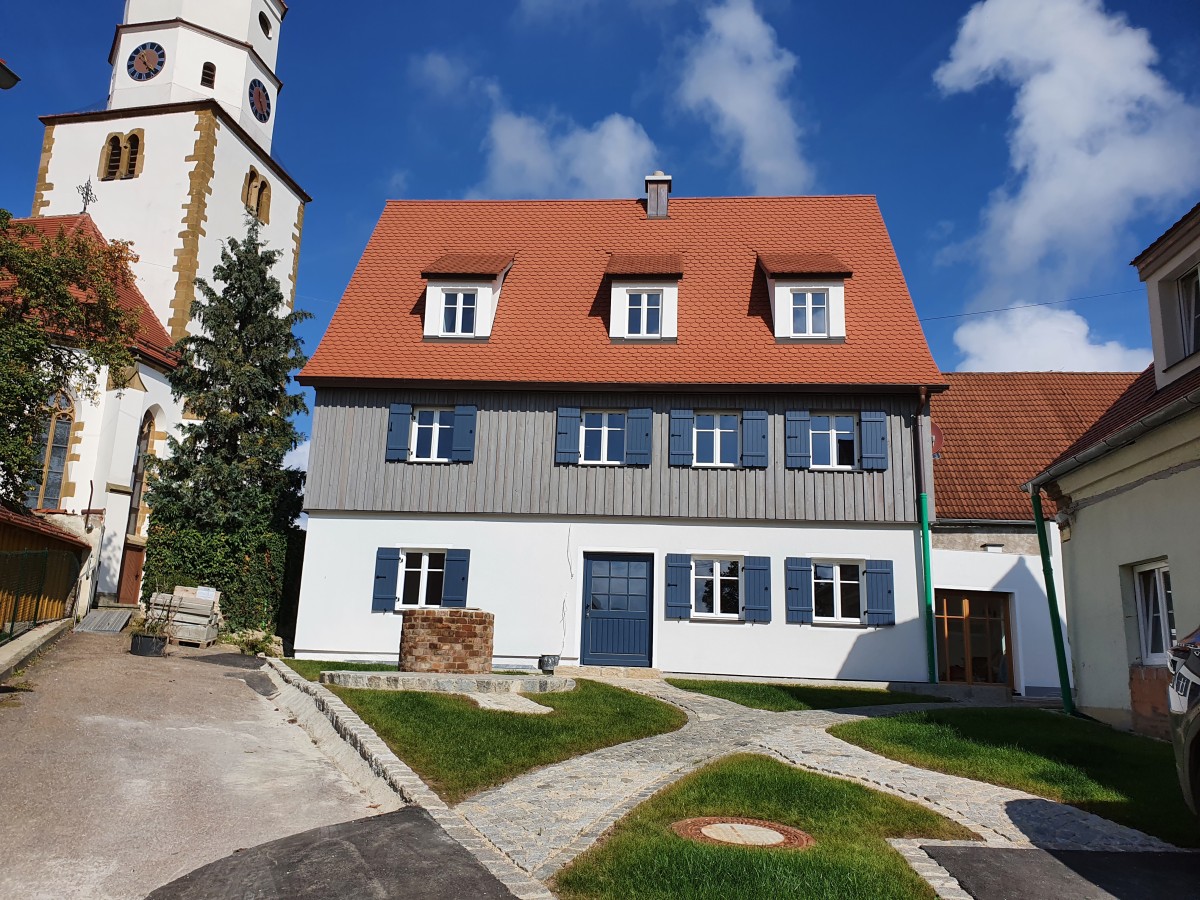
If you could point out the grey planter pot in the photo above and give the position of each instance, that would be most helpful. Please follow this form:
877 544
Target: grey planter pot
146 645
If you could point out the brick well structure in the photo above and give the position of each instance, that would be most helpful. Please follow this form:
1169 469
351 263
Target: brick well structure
1148 700
447 641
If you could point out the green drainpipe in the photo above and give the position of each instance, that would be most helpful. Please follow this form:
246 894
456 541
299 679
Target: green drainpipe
930 634
1060 651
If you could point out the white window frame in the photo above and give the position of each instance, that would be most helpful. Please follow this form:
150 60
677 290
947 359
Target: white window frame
1165 611
782 290
717 431
643 309
808 294
716 559
855 429
668 317
458 312
1189 309
424 569
605 429
837 618
414 428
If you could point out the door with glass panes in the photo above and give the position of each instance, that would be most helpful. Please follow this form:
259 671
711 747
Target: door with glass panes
973 643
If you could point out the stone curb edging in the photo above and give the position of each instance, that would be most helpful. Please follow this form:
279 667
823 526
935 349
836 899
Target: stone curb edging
944 884
19 651
405 782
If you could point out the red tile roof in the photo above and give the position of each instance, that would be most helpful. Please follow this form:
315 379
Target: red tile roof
551 323
151 338
998 427
645 264
467 265
783 263
1140 400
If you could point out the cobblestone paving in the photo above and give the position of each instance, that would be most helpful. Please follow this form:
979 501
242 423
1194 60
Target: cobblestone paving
543 819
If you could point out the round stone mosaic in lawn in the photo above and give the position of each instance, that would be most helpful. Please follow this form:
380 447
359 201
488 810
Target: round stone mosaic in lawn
742 832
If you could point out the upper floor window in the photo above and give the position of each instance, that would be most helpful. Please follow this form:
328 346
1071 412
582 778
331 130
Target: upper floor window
1156 612
54 443
208 75
716 439
810 313
837 592
256 196
138 510
602 438
424 578
265 24
121 156
1189 311
717 587
458 313
645 314
432 435
834 444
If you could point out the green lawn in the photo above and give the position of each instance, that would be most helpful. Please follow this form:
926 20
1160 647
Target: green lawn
642 859
458 748
1119 776
311 669
788 697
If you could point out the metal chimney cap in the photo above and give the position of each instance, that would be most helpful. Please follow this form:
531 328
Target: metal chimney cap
658 178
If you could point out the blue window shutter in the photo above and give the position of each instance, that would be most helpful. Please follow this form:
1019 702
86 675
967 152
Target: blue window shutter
679 586
639 439
798 584
756 581
681 438
874 441
881 597
387 578
462 445
798 439
454 591
399 419
754 439
566 442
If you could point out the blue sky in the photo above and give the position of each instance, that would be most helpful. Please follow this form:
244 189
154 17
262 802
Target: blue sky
1023 151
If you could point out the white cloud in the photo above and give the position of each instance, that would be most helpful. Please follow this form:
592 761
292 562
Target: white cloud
531 157
1041 339
297 458
1098 138
440 73
736 75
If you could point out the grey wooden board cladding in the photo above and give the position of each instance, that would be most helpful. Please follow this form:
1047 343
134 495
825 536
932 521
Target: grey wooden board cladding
514 470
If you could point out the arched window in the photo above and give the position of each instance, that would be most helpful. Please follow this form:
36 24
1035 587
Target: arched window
133 150
137 481
112 158
55 440
264 23
208 75
262 203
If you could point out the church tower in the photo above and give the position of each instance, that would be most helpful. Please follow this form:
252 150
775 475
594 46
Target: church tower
182 150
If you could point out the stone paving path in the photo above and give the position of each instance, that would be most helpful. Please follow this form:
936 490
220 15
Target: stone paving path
543 819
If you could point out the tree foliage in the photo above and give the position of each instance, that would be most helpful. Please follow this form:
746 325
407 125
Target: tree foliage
225 471
61 325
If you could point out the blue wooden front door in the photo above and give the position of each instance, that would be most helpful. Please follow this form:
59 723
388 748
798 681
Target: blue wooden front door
617 593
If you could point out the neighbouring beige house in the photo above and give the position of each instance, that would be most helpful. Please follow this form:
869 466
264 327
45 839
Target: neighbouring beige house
1129 507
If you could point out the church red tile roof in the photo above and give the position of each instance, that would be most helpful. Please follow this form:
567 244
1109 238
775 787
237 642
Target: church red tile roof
551 324
999 427
151 338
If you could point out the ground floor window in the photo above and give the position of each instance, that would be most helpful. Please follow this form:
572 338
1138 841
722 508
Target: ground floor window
1156 613
424 575
837 592
717 587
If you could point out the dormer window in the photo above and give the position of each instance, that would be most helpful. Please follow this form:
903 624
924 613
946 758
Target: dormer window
1189 311
462 294
645 296
808 295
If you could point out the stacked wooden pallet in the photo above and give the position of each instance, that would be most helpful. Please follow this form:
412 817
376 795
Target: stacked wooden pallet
193 613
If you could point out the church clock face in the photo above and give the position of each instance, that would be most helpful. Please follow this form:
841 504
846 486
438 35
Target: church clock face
260 101
146 61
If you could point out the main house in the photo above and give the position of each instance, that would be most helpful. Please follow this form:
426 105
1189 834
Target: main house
690 436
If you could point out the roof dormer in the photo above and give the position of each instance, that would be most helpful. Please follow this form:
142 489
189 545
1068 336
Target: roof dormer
645 296
462 294
808 295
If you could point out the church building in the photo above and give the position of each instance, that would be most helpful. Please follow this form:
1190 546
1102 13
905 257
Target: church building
177 158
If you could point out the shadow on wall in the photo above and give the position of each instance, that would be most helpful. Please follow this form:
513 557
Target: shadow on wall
873 656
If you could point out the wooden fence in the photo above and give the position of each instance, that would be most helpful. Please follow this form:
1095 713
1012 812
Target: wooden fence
39 573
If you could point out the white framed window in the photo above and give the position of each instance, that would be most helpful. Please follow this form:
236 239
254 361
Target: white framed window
432 434
810 313
1189 311
458 313
602 437
717 587
424 576
715 439
837 592
834 441
645 314
1156 612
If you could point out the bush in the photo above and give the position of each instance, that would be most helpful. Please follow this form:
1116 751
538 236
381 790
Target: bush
249 568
